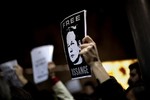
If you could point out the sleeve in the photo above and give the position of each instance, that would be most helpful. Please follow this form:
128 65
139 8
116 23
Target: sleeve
60 90
111 90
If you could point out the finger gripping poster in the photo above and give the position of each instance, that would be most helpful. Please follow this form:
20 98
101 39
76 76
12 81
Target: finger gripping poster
73 30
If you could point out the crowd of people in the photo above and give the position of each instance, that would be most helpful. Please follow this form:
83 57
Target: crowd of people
107 89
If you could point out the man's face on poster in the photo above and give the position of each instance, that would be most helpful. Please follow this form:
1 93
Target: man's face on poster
73 47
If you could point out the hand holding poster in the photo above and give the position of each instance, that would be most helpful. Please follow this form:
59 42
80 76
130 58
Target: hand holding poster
9 73
40 57
73 30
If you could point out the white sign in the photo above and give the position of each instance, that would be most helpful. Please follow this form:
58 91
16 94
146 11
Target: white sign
40 57
9 73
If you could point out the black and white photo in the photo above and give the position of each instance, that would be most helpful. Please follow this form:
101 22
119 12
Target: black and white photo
73 30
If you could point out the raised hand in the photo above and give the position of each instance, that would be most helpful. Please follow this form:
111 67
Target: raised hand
19 72
89 50
51 69
90 54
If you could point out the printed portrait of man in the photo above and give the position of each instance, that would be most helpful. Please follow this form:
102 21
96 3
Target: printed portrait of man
73 48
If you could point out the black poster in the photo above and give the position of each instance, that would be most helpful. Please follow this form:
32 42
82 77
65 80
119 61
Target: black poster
73 30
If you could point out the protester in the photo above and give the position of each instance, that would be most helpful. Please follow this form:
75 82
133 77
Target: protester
60 90
109 88
135 74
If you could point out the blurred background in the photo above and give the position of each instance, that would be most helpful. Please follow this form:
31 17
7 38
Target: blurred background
28 25
25 26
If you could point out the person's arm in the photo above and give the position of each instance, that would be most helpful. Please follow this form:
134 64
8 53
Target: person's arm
58 87
90 54
27 85
109 87
19 72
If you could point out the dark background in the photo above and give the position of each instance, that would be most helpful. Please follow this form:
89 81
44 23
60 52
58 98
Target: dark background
27 25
